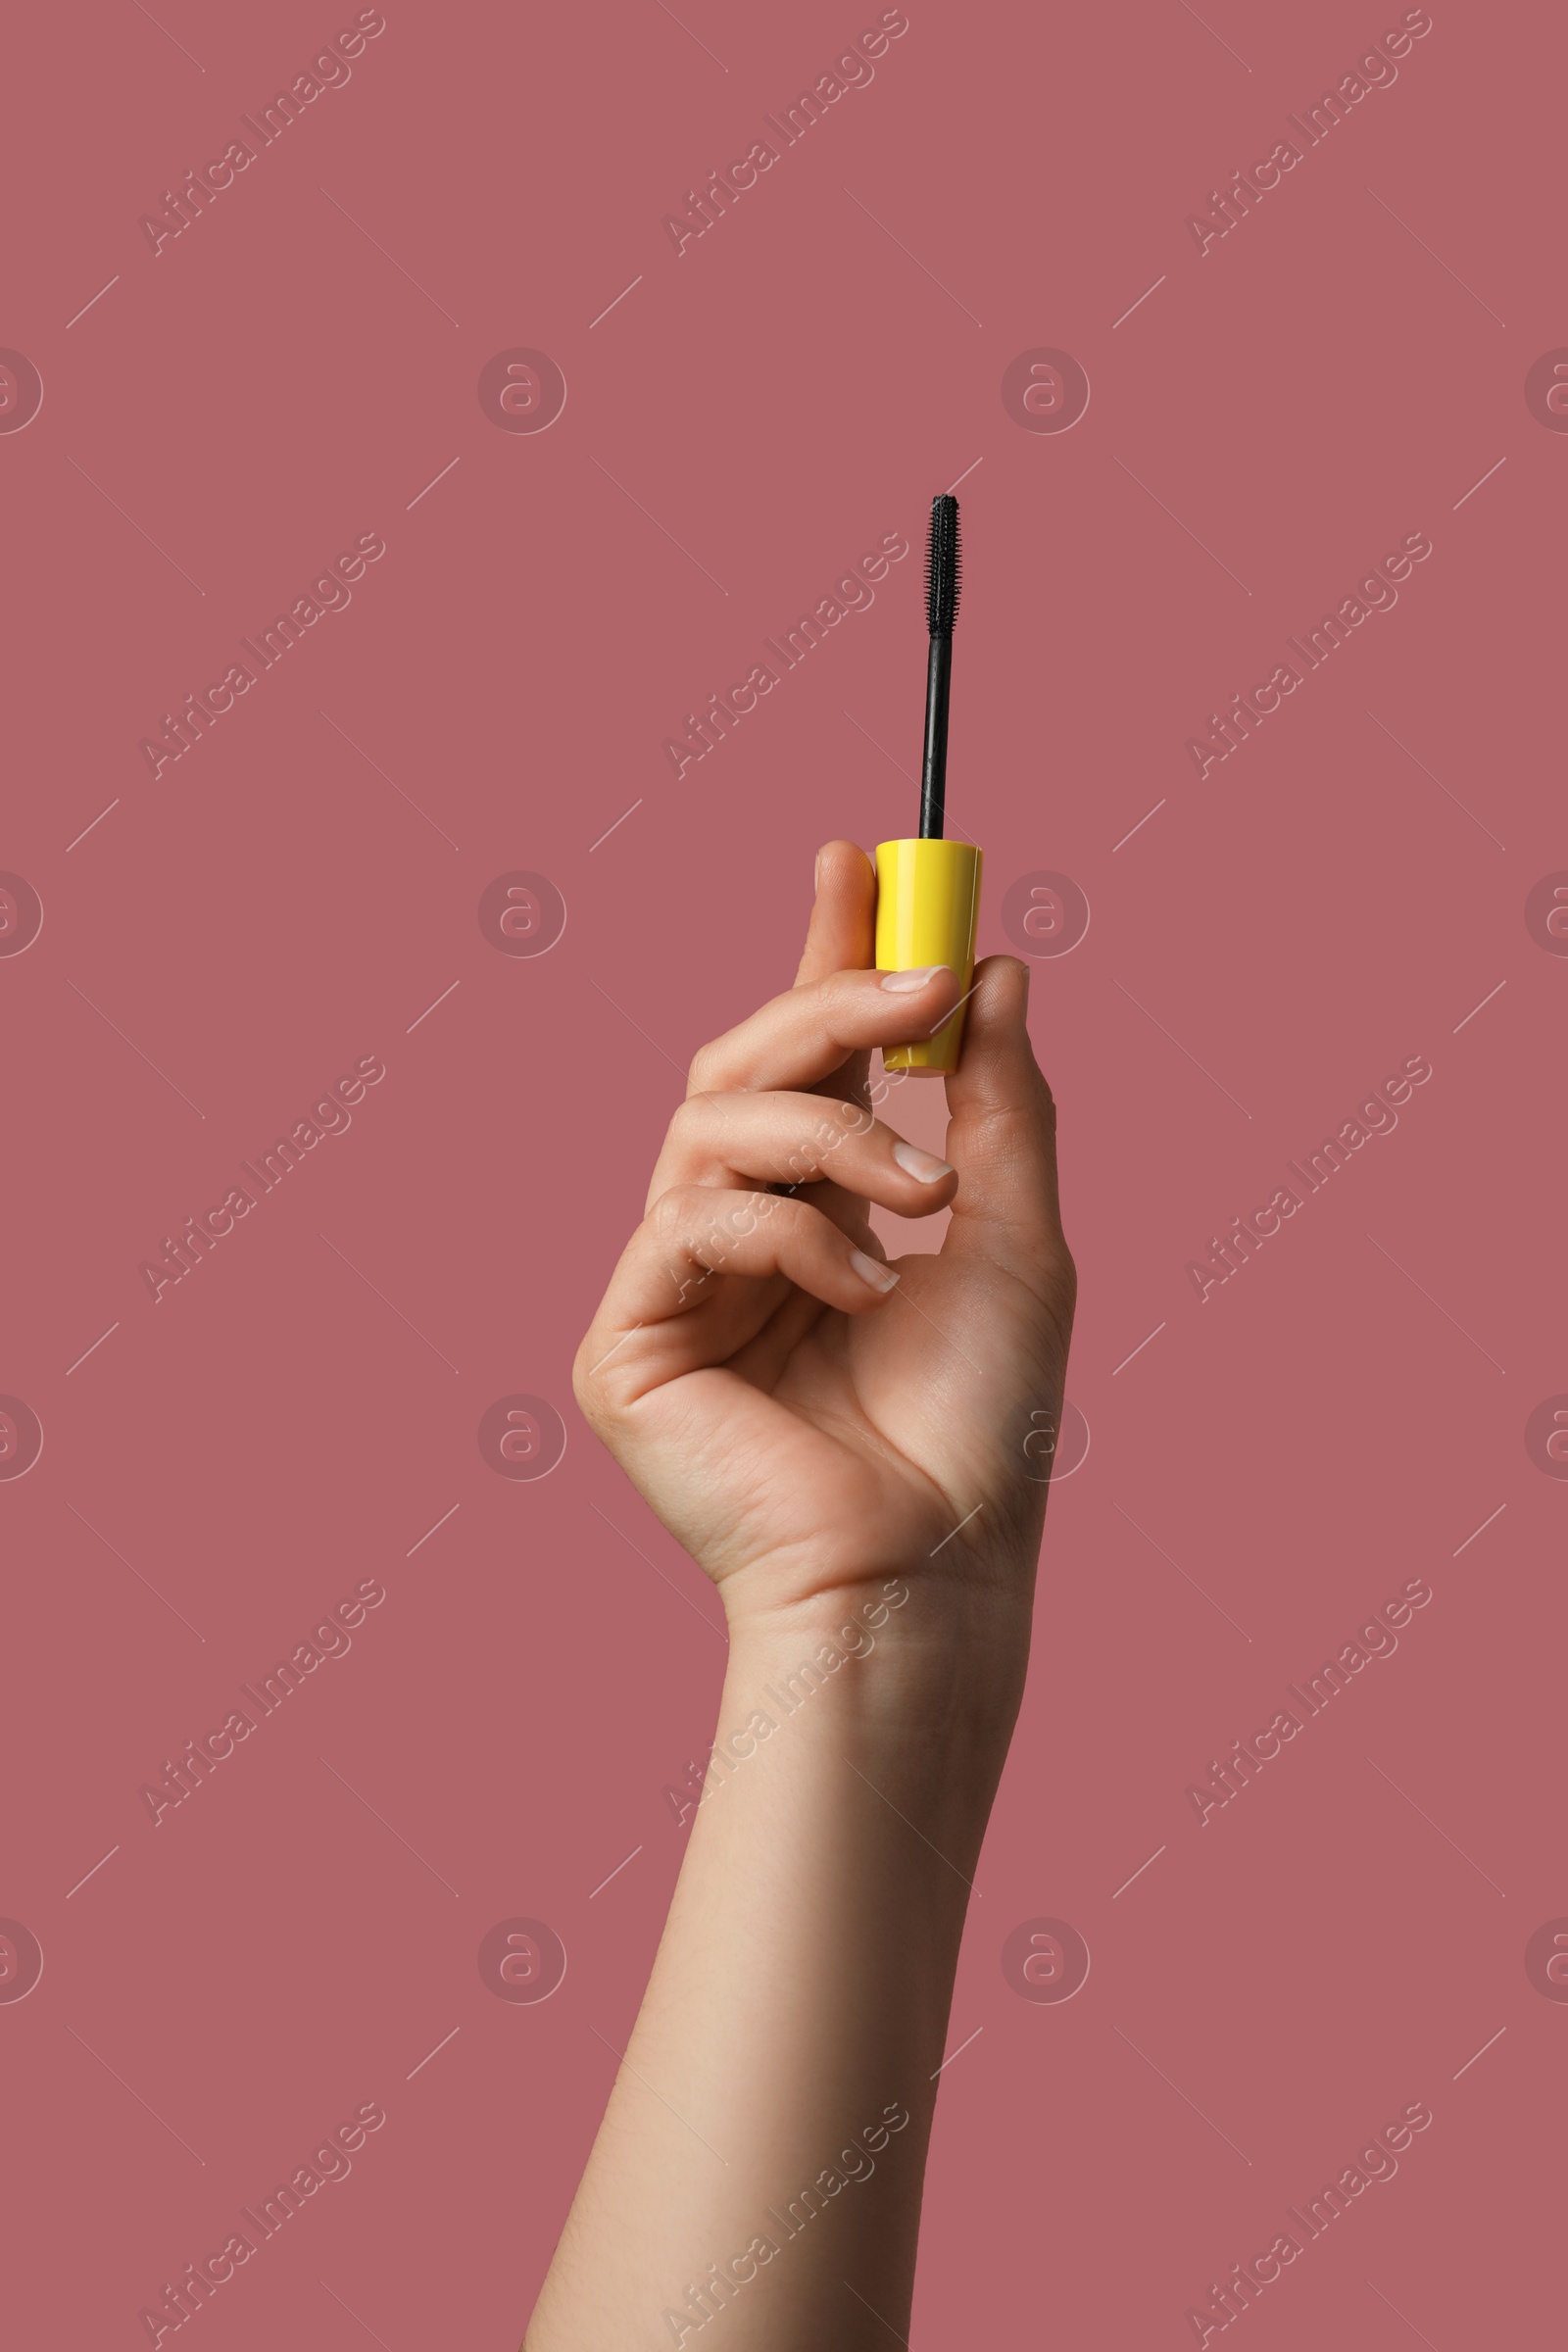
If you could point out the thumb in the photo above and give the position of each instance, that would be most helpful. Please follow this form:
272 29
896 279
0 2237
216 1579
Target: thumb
1002 1138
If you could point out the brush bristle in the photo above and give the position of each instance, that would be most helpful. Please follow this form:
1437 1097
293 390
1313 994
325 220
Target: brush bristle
942 567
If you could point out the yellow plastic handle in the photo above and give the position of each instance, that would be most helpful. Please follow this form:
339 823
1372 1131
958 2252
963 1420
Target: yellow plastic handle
927 905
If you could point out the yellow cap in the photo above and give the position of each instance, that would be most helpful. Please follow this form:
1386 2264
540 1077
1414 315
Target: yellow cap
927 904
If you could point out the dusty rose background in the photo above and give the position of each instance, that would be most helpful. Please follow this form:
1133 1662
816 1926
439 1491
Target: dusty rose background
743 420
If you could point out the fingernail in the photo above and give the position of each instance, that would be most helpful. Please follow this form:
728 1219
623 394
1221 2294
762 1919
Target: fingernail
872 1271
924 1166
817 874
906 983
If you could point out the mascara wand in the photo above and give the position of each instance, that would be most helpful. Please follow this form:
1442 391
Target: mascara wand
928 890
941 614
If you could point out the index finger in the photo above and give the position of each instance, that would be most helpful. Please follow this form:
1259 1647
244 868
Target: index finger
841 936
813 1028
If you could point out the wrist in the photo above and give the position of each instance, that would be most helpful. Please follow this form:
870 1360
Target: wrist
895 1669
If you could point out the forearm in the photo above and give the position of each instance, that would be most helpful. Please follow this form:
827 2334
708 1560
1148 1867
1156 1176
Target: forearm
764 2142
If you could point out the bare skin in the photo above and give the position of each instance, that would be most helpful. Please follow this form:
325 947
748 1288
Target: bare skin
859 1464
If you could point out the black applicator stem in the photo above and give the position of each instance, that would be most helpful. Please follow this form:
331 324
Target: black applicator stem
934 770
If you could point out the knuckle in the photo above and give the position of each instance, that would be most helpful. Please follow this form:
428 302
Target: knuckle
1045 1100
704 1071
788 1216
733 1221
802 1162
687 1123
591 1387
846 995
672 1215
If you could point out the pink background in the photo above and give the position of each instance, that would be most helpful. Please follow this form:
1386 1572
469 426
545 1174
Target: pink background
295 369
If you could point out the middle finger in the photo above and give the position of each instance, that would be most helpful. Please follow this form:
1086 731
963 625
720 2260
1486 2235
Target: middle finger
799 1138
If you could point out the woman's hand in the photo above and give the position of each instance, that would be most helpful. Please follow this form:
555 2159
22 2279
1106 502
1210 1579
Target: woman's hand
833 1438
805 1418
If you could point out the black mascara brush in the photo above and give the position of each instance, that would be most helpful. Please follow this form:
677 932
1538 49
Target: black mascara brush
928 890
941 615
